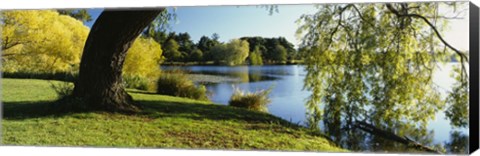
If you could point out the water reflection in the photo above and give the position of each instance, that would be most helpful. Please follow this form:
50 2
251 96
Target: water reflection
458 143
289 98
244 74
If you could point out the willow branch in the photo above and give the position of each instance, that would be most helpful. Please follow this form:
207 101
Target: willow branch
334 31
437 33
6 47
361 16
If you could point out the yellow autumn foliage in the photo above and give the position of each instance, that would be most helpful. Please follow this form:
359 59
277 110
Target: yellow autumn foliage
44 41
142 62
41 41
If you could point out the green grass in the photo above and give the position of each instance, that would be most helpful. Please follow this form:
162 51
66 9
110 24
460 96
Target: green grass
165 122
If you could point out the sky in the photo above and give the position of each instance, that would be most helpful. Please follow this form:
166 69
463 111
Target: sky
231 22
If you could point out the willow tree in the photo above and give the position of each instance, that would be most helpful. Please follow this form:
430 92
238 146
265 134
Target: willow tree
99 85
40 41
232 53
374 63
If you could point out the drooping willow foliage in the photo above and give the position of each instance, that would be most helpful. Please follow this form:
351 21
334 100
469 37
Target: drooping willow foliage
374 63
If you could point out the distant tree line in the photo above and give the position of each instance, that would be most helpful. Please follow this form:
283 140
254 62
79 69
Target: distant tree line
270 50
179 48
80 14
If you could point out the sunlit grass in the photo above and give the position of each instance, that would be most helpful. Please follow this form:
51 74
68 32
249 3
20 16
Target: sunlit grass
166 122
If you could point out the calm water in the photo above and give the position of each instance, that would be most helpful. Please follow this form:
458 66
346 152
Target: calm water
288 97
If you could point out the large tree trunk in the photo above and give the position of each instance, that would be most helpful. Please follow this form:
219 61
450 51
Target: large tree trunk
100 78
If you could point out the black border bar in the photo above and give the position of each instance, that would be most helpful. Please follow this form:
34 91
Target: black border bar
474 85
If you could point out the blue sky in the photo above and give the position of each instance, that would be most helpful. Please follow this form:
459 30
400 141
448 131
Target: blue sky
238 21
235 21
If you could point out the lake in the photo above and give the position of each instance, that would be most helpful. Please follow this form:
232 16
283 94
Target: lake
288 97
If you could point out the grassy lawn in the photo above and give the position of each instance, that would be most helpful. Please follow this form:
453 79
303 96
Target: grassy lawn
166 122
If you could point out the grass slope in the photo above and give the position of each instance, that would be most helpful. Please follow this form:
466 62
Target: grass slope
166 122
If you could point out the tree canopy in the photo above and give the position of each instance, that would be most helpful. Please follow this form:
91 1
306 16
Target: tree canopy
236 52
172 52
143 59
232 53
179 47
255 57
47 41
270 48
40 41
374 63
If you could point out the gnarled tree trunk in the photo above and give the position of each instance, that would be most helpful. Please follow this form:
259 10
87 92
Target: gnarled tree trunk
100 78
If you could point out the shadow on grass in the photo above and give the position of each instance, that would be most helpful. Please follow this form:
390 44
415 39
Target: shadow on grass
28 109
160 109
151 109
165 109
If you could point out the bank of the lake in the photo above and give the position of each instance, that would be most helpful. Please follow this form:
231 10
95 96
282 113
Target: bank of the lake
165 122
288 98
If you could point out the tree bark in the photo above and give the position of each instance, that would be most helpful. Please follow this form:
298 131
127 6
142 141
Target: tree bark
99 84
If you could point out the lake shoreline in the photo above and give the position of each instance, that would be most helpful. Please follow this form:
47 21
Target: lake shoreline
290 62
288 94
210 78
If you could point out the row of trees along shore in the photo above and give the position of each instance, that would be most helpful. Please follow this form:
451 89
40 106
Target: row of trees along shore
179 48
